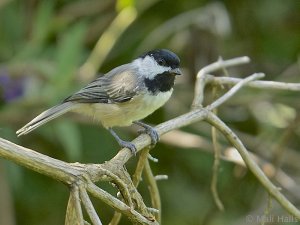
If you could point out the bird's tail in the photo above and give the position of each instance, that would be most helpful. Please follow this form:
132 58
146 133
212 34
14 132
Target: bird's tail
46 116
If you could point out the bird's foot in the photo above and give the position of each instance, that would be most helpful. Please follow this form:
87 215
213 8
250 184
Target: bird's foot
129 145
122 143
150 131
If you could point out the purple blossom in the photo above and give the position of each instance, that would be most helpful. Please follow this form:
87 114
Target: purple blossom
10 87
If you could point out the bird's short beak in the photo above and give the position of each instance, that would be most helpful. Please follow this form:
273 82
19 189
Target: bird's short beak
175 71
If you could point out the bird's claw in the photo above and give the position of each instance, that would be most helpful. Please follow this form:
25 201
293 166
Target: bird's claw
129 145
124 144
152 133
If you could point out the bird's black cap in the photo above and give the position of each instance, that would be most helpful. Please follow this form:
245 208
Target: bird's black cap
164 57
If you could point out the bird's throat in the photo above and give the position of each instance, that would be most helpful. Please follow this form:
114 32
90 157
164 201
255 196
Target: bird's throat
160 83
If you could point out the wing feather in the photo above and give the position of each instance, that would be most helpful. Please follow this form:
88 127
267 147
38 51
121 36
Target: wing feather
118 85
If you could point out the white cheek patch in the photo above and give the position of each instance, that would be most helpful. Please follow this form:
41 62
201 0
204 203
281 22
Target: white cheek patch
148 67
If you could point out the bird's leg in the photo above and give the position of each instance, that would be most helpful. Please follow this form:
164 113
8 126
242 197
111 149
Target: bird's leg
150 131
122 143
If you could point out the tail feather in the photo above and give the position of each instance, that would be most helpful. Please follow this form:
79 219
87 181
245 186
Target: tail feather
45 117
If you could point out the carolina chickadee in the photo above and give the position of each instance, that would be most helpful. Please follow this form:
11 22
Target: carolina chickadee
123 96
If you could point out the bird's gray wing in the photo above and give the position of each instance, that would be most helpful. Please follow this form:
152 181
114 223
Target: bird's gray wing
93 92
118 85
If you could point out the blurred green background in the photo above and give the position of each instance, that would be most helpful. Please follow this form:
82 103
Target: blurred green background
48 49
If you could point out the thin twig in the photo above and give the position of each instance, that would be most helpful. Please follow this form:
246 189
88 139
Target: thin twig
161 177
201 76
38 162
267 210
136 177
188 141
153 210
252 166
233 90
151 158
139 204
280 147
88 205
221 64
214 180
213 106
260 84
74 212
153 189
116 218
216 164
121 186
118 205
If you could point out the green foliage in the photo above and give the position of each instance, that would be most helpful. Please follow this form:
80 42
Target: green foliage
68 55
68 134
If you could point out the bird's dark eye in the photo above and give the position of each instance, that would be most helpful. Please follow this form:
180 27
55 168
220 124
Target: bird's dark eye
161 62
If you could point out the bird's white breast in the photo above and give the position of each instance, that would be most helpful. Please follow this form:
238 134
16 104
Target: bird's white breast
123 114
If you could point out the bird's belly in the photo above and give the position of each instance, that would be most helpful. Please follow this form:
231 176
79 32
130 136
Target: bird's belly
123 114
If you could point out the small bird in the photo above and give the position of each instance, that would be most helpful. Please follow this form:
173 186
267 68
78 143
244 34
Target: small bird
123 96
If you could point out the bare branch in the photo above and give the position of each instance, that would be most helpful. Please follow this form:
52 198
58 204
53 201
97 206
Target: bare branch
88 205
252 166
38 162
74 213
215 169
121 186
188 141
221 64
144 140
201 76
233 90
116 218
136 177
151 158
161 177
153 189
266 85
118 205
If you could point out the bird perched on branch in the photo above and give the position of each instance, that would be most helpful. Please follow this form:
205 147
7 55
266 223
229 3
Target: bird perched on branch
123 96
